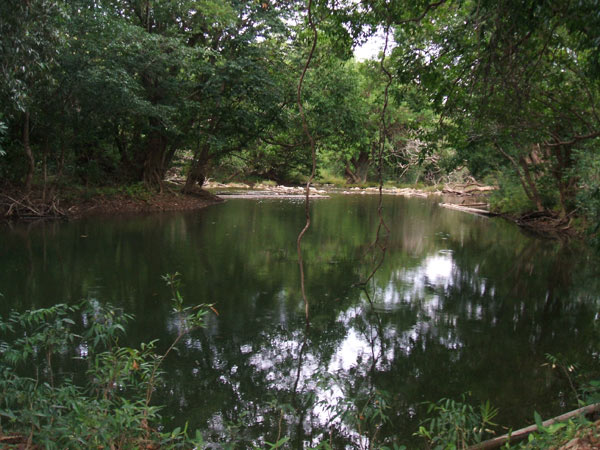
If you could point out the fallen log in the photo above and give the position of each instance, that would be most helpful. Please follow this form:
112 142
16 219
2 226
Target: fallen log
468 209
521 434
475 205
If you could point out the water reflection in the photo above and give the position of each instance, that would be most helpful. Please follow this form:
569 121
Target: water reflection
461 303
434 272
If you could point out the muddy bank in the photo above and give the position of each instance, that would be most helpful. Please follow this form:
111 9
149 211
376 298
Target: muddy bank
122 204
73 203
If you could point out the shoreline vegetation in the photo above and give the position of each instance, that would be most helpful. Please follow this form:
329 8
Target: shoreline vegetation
75 202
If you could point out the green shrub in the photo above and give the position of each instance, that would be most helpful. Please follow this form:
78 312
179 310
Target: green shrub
510 198
457 425
555 435
112 408
328 176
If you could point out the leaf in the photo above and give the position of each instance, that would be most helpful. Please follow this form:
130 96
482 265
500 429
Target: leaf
279 443
555 427
8 414
539 422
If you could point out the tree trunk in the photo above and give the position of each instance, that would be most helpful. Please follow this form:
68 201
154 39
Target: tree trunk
197 172
126 166
524 175
28 153
357 174
154 169
534 194
154 163
351 177
566 183
61 157
45 167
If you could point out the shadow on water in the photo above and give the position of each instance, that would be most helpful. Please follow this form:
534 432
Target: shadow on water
461 303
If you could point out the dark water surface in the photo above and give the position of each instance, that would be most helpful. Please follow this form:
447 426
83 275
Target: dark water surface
462 303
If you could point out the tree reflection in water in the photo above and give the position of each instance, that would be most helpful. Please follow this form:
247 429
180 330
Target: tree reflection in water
460 304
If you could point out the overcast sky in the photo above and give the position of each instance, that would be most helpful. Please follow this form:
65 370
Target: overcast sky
374 45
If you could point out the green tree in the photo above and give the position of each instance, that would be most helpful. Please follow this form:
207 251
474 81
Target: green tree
30 37
240 93
518 81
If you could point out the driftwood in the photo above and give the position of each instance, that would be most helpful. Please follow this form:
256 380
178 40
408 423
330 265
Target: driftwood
467 189
24 208
521 434
475 205
468 209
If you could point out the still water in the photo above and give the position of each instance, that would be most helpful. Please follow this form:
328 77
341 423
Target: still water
461 303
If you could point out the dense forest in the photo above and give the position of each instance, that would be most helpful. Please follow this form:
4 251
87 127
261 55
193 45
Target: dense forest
126 92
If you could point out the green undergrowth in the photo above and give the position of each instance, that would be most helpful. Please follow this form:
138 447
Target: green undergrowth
510 197
456 425
112 407
557 434
138 191
327 176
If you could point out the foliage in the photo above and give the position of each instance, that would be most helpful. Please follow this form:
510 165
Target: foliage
111 408
510 197
2 134
495 87
517 86
28 49
588 194
457 425
356 414
213 79
554 435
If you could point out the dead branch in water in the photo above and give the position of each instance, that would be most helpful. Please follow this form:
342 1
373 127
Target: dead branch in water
27 208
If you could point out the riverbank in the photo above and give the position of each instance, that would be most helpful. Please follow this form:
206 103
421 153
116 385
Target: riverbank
77 202
264 190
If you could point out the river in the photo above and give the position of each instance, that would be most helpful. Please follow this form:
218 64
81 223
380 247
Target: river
461 304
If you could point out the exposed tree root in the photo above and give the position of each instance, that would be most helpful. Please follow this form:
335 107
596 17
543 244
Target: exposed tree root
544 221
